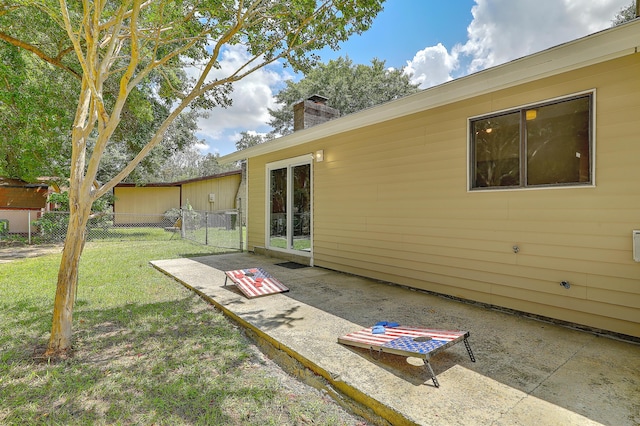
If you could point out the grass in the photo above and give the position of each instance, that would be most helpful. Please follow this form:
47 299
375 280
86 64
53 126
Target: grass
219 237
212 236
303 244
146 350
123 233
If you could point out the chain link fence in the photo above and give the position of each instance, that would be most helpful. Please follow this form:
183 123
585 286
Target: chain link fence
217 229
221 228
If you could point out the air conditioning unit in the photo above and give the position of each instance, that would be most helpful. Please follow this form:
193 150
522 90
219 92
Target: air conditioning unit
212 198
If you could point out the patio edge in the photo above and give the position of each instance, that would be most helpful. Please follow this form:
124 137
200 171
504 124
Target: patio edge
347 396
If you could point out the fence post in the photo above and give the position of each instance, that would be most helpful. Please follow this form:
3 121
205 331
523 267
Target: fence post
206 228
239 222
29 226
183 224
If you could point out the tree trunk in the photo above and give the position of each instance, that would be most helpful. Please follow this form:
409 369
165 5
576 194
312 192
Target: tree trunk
60 340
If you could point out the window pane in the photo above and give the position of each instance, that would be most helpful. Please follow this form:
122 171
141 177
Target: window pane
301 235
496 147
278 212
558 148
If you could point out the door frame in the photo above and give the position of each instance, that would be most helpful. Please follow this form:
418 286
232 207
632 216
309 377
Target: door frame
289 164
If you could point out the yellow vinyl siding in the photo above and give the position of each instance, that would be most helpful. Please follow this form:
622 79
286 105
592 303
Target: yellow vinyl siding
257 202
225 189
144 204
615 285
391 202
157 199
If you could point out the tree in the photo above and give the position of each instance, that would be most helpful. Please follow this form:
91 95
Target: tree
627 13
178 141
348 87
137 43
36 115
249 139
35 104
187 164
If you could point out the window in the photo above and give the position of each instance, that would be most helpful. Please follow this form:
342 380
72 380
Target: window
549 144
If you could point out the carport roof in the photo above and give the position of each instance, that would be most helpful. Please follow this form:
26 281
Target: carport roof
180 182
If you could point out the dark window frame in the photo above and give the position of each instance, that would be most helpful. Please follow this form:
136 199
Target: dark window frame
522 140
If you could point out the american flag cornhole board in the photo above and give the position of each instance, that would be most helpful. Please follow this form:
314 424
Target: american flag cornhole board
255 282
409 341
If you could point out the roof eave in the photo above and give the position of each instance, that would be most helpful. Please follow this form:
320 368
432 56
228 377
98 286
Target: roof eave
589 50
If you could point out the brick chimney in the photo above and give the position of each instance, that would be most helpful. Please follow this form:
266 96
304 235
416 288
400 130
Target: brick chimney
312 111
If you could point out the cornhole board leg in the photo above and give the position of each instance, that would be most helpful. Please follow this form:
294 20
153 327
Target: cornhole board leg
468 346
428 365
433 376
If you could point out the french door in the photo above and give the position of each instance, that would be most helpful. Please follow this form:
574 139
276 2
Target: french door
289 218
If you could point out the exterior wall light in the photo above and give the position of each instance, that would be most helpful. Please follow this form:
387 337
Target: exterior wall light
319 155
531 114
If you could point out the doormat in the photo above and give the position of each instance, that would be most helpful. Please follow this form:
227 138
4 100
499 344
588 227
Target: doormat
292 265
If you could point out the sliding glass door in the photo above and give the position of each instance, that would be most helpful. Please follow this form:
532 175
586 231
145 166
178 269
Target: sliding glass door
289 205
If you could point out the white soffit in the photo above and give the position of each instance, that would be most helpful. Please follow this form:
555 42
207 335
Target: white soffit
595 48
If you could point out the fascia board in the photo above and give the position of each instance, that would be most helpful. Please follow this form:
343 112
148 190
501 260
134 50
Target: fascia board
592 49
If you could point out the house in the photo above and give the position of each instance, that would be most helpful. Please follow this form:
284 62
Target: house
20 204
517 186
147 203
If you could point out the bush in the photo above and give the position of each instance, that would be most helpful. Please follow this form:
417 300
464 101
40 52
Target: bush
53 225
191 216
172 215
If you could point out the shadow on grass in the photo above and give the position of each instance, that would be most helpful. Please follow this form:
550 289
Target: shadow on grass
173 362
214 252
114 235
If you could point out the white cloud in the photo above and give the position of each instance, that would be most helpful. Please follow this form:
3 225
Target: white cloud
252 96
201 146
431 66
503 30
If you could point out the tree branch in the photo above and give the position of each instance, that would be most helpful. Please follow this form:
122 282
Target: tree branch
39 53
127 15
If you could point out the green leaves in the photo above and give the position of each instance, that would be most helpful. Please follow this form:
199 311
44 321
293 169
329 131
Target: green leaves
349 88
125 54
131 58
36 106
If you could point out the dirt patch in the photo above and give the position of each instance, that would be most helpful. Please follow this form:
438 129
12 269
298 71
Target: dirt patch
10 251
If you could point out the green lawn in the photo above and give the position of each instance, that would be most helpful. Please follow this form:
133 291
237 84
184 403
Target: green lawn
303 244
146 350
218 237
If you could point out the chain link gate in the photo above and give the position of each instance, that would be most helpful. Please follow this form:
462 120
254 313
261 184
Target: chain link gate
221 228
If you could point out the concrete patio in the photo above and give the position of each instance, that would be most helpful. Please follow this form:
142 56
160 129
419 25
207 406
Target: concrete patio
528 372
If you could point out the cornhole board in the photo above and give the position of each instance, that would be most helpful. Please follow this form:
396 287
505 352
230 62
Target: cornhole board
409 341
255 282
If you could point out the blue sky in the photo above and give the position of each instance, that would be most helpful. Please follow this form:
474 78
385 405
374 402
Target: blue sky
433 40
407 26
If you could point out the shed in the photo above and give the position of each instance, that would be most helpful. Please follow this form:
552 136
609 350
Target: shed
147 203
21 202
